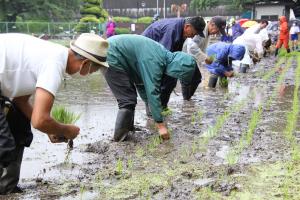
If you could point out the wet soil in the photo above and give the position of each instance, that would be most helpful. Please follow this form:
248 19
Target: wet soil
193 164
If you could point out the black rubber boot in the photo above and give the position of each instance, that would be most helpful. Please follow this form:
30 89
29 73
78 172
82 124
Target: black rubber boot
288 50
186 92
276 52
124 124
11 174
148 112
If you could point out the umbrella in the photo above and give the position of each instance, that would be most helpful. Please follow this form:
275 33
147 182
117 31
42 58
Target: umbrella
241 21
248 24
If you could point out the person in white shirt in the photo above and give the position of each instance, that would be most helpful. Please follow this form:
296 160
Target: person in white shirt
253 44
294 36
255 29
31 66
196 47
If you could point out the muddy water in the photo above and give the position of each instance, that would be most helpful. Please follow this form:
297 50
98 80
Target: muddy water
47 174
91 98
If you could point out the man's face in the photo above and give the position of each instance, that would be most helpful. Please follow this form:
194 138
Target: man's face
88 67
189 31
212 28
263 25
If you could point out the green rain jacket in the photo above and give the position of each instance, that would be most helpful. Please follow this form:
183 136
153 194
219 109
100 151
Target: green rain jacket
146 61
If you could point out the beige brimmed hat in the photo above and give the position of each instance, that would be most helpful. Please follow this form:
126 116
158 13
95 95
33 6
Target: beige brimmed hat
92 47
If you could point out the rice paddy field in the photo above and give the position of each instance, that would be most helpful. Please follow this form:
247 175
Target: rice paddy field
238 142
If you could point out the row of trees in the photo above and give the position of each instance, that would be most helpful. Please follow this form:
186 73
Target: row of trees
85 10
52 10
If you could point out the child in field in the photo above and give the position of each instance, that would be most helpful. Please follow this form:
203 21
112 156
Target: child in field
294 36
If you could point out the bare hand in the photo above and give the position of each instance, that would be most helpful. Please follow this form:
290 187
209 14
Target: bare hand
71 131
57 139
208 61
163 131
229 74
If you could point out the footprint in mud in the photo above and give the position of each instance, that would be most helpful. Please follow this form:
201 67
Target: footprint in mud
226 187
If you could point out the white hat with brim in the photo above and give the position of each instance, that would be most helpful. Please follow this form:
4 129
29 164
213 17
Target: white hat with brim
92 47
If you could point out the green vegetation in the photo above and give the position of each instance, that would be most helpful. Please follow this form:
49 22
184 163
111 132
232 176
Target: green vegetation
223 82
123 19
245 141
38 10
91 12
145 20
63 115
120 31
167 112
119 167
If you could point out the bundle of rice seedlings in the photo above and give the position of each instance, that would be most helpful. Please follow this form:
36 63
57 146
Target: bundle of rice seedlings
63 115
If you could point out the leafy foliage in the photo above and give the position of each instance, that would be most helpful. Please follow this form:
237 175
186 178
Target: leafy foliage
42 10
122 19
91 11
145 20
120 31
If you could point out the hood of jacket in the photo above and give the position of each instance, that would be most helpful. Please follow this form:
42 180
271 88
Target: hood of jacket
282 19
180 65
236 52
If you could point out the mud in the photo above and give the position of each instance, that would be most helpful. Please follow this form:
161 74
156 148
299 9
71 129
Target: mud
194 164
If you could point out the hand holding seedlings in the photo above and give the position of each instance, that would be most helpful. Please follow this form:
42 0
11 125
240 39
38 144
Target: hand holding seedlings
163 131
57 139
68 118
209 60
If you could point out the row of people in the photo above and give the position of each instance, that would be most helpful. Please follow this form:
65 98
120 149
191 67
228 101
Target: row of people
130 64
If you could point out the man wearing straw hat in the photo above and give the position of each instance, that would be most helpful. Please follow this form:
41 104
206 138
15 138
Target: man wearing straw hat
28 66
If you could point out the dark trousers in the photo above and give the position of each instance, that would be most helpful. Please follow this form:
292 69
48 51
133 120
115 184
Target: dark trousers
122 88
188 89
15 133
11 173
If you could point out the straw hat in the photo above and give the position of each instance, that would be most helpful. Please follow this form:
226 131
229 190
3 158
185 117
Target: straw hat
92 47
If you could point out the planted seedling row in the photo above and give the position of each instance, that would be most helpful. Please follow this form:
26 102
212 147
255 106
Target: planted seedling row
289 130
233 155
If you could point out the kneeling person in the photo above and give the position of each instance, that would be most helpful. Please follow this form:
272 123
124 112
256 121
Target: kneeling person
137 62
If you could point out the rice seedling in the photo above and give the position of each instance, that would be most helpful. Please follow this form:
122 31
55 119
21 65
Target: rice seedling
223 82
119 167
155 141
129 163
193 119
140 152
166 112
245 141
63 115
199 116
82 190
273 70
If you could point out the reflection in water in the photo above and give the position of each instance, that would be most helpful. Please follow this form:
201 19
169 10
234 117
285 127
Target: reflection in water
91 97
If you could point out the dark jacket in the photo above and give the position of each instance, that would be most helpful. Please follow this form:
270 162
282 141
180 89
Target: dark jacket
145 62
237 31
168 32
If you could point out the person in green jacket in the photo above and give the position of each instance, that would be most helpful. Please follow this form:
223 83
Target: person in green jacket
139 63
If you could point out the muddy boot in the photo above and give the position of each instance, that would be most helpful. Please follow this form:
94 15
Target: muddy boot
276 52
186 92
124 123
148 112
11 174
